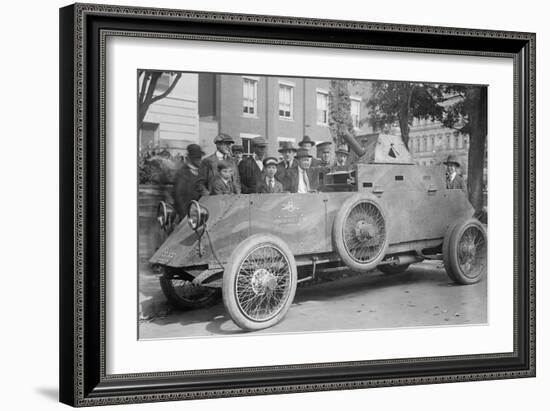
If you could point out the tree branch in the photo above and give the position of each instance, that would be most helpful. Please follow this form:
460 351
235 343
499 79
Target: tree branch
168 91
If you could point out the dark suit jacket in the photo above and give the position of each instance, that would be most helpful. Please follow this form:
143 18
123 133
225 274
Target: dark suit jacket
250 174
220 187
263 187
282 171
458 183
208 172
184 189
292 179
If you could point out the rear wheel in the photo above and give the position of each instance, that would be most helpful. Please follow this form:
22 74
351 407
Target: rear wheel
465 251
360 233
185 295
259 282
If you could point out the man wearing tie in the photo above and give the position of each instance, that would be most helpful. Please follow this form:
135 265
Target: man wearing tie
269 183
251 168
302 179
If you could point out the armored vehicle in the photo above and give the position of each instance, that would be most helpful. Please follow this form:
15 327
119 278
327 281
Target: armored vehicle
384 213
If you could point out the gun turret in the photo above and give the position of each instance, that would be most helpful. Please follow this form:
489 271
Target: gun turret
379 148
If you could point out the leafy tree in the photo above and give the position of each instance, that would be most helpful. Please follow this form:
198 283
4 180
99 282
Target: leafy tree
148 83
468 115
400 102
339 120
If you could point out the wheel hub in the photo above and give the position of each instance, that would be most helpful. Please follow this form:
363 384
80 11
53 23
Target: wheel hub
263 282
364 231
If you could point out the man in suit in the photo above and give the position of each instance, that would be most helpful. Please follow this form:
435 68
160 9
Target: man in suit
454 180
302 179
269 183
209 166
342 155
288 151
224 182
307 143
238 152
251 168
185 189
323 150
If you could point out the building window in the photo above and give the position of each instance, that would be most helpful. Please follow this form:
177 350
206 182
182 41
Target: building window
286 101
425 143
457 142
355 111
247 145
322 107
250 96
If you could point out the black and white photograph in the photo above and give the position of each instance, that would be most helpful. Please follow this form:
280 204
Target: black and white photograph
276 204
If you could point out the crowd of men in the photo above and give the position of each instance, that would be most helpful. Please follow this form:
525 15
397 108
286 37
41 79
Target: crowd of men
228 171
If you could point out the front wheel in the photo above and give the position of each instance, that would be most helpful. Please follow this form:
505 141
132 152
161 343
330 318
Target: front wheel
259 282
465 251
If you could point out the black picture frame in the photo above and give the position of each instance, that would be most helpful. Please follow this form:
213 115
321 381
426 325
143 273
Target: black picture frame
83 29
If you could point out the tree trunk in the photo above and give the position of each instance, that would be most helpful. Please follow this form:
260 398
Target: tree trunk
477 115
405 97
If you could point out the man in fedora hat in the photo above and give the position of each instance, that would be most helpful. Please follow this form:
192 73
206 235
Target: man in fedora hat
302 179
454 180
185 189
209 166
251 168
288 152
307 143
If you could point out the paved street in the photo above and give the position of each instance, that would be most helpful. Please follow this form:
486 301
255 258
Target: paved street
421 296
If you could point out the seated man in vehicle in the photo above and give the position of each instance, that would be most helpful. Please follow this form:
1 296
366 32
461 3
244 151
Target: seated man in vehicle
223 182
341 163
251 168
209 170
269 183
302 179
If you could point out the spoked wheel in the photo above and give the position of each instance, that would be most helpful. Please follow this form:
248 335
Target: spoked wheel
465 251
185 295
359 233
259 282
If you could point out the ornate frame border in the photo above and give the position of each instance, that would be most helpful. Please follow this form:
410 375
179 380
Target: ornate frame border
82 364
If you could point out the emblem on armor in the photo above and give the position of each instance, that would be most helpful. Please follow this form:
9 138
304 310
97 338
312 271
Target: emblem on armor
290 207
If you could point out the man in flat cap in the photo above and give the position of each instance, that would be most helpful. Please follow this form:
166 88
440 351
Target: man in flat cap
209 166
185 189
302 179
269 183
307 143
454 180
323 149
238 152
251 168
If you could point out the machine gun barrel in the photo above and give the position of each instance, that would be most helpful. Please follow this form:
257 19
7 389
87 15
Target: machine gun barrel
354 145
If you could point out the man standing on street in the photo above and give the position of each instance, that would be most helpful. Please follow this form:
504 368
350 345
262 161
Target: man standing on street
185 189
454 181
288 151
209 166
251 168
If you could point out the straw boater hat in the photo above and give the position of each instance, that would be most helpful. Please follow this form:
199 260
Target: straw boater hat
270 161
451 159
306 140
287 145
302 152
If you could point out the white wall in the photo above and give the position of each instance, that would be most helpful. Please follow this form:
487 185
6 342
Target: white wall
29 215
